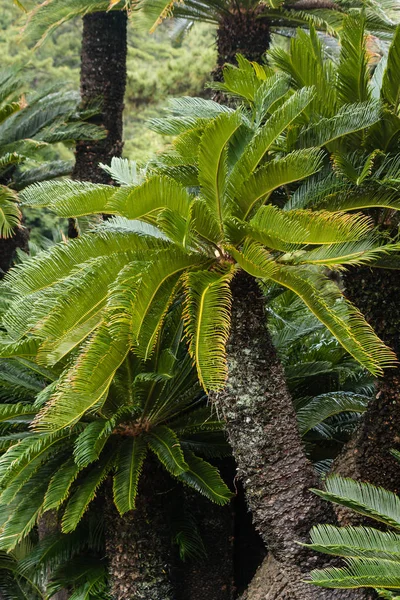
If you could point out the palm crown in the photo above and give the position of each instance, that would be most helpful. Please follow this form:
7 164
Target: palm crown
167 239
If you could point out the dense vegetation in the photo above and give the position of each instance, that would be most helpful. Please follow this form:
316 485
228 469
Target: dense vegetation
200 354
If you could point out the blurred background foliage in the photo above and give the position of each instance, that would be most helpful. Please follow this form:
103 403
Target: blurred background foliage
160 65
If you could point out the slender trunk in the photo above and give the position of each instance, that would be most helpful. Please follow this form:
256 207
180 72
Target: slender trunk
103 80
262 429
138 545
367 456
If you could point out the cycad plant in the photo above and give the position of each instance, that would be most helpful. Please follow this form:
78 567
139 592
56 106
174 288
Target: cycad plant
363 173
155 406
103 71
371 555
246 27
28 125
330 390
208 243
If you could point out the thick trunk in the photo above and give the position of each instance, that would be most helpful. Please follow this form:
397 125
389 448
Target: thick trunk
262 429
138 544
103 80
8 248
376 293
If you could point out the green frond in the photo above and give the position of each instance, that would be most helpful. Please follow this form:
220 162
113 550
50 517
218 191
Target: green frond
124 171
362 542
212 162
86 384
323 406
166 446
155 294
69 198
366 572
254 259
349 119
390 90
197 421
128 466
364 498
49 170
282 171
60 485
10 215
205 479
246 80
304 227
199 108
85 493
350 253
146 200
352 74
16 413
47 268
265 137
91 441
207 323
343 320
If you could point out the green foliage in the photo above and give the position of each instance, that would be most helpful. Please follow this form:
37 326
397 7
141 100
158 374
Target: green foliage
372 556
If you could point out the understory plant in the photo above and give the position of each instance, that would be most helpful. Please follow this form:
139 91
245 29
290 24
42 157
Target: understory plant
371 556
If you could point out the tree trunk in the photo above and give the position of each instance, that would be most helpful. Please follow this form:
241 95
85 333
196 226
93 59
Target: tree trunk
138 545
262 429
8 248
367 456
103 80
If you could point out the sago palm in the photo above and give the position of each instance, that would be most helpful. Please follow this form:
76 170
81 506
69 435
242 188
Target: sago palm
246 27
156 405
363 173
210 244
103 70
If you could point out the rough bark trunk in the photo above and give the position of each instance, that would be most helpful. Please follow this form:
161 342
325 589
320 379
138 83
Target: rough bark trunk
262 429
8 248
103 80
376 293
138 545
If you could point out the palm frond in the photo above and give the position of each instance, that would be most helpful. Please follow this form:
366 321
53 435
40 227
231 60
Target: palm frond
365 498
207 322
10 214
205 478
128 466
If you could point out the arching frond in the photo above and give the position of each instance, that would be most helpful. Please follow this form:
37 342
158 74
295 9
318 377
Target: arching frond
365 498
128 465
84 494
69 198
352 74
344 321
390 85
207 322
362 542
359 573
324 406
205 478
10 214
165 444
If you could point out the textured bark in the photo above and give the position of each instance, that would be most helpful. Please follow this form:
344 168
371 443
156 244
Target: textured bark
212 576
138 544
376 293
49 525
103 79
8 248
262 429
